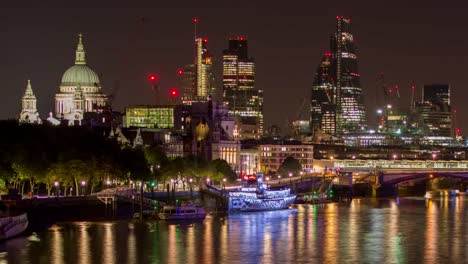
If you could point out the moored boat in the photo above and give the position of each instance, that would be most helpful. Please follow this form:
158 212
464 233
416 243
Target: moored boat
11 226
183 212
259 198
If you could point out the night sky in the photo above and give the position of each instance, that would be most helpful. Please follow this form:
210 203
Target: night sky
418 43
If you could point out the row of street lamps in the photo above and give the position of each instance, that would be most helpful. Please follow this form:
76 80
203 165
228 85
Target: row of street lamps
83 186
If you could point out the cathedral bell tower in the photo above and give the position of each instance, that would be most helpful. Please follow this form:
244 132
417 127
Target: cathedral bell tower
29 112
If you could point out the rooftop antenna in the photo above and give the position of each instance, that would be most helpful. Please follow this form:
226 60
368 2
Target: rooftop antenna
413 88
195 22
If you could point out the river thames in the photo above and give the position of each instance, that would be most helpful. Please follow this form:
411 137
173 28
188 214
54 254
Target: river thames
410 230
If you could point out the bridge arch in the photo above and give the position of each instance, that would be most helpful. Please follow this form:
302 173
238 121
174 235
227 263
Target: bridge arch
395 179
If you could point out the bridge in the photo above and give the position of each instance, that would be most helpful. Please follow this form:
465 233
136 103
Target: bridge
126 194
395 177
384 175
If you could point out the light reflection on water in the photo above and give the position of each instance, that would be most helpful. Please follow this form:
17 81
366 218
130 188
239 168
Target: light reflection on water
365 231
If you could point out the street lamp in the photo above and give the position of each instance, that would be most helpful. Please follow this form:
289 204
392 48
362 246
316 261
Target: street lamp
56 184
434 156
83 188
394 156
224 183
290 174
108 182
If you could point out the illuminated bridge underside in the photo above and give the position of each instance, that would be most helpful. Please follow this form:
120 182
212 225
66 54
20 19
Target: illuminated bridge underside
396 178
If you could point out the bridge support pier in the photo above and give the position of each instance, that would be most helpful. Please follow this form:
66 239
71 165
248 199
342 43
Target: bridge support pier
385 190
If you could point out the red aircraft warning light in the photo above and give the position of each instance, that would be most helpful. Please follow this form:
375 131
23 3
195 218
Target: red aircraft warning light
180 71
205 40
153 78
174 92
195 20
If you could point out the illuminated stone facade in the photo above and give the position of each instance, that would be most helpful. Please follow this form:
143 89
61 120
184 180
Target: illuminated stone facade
80 90
29 112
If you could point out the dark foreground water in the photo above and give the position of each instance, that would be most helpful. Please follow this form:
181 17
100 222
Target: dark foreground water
366 231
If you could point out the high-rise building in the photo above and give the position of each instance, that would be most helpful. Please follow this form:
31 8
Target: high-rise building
349 94
245 102
337 82
435 109
197 81
323 101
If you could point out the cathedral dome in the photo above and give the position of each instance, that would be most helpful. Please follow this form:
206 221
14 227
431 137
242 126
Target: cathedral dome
80 74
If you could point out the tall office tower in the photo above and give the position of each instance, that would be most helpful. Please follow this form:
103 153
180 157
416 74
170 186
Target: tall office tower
204 70
323 102
337 87
197 81
435 109
187 83
244 102
348 90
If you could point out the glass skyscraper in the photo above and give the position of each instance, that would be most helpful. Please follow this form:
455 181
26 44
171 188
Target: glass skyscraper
337 85
197 80
244 102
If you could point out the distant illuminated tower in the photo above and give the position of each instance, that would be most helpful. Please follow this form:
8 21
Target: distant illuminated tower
239 93
337 88
348 90
29 112
436 110
323 105
197 80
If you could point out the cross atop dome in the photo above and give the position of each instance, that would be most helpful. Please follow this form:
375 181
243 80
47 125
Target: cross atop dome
80 52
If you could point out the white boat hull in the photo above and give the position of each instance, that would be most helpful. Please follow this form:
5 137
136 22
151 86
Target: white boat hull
12 226
252 204
182 213
164 216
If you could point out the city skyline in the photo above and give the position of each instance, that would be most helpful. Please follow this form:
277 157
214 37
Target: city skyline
47 53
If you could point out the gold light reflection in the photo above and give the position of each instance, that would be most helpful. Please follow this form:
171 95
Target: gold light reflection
354 219
430 247
331 234
392 231
208 241
224 242
57 245
84 251
191 246
131 254
108 244
172 245
301 211
311 235
458 232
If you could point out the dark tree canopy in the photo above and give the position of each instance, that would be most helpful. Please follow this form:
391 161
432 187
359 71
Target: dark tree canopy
290 165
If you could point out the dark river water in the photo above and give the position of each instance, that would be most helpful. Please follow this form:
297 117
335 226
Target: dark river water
365 231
